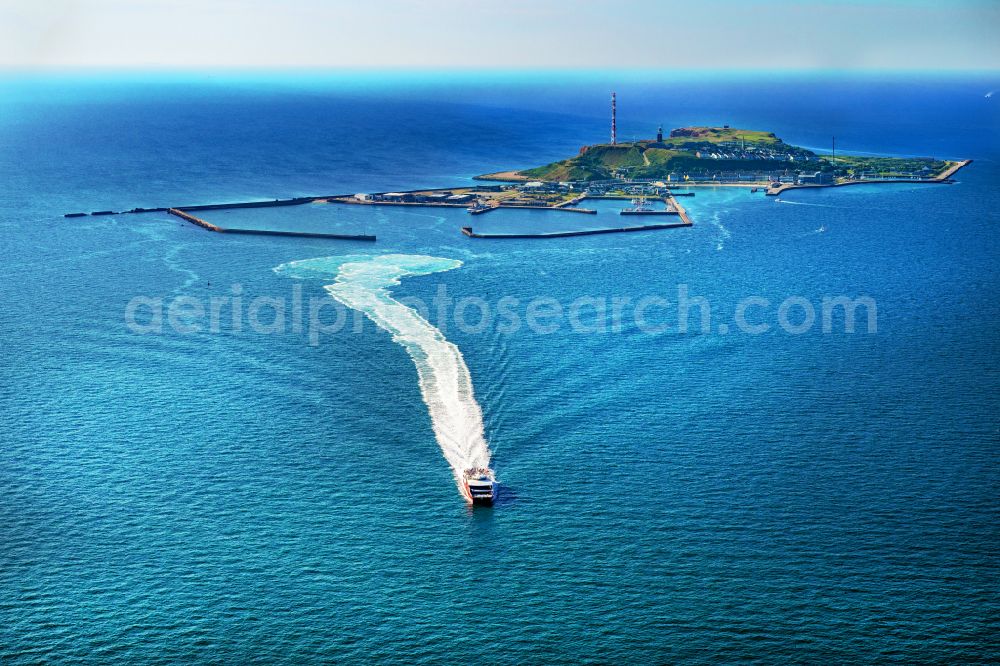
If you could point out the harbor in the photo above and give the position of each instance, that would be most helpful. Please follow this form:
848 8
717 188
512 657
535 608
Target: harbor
475 200
640 208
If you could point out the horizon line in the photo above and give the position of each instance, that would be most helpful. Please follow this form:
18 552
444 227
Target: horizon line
468 69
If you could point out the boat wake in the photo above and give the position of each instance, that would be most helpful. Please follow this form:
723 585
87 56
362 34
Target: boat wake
805 203
724 233
363 283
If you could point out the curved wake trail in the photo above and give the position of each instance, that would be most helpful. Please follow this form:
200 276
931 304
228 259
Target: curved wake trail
363 283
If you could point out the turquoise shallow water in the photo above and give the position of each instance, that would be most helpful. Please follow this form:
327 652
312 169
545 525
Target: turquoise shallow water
698 497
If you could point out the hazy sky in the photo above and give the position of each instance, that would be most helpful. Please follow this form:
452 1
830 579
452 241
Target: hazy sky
854 34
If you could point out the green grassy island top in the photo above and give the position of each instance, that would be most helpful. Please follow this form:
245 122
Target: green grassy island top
699 153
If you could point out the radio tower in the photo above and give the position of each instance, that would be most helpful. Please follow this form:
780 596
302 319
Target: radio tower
614 126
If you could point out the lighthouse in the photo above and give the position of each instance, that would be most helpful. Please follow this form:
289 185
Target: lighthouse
659 134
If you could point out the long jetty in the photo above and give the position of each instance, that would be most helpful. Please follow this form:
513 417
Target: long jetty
671 201
628 197
195 220
263 232
438 204
583 232
565 209
269 203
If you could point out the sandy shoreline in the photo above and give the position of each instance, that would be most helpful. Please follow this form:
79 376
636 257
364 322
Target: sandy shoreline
513 176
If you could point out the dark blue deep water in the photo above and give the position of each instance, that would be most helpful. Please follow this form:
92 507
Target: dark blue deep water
700 497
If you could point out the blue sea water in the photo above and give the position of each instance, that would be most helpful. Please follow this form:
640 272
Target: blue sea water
697 497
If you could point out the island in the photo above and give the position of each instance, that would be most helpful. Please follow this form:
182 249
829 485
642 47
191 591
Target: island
651 173
725 156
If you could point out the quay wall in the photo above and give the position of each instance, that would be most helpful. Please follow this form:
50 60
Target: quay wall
568 209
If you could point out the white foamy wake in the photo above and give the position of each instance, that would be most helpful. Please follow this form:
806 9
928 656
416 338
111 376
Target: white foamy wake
363 283
724 233
805 203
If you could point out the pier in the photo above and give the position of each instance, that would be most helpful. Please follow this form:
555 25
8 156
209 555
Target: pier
629 197
440 204
565 209
197 221
585 232
672 202
411 204
299 234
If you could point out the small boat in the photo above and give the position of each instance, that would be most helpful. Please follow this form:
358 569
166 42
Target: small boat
479 485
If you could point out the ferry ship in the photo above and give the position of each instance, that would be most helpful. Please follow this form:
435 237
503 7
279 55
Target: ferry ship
479 485
641 207
479 206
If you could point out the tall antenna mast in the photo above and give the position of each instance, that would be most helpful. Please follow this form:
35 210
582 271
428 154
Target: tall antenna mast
834 157
614 121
